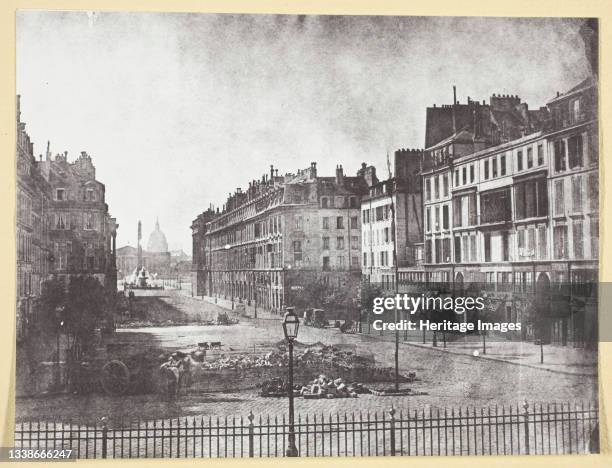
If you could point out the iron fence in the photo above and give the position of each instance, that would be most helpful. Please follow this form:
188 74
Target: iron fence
542 429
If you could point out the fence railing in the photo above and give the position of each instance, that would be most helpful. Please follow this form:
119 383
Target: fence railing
540 429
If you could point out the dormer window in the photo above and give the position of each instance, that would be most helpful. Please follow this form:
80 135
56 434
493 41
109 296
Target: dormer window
90 195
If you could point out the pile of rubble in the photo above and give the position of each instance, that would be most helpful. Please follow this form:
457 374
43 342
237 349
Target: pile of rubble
313 356
320 387
326 387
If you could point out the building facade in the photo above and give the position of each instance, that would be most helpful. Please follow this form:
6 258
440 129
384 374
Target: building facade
392 221
520 219
278 233
34 251
63 225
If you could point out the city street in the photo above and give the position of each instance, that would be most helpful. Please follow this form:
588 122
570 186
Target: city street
450 380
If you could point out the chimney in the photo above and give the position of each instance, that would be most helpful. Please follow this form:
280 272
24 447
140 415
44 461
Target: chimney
339 175
48 155
313 170
454 102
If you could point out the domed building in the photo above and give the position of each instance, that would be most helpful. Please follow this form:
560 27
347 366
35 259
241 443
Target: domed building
156 259
157 240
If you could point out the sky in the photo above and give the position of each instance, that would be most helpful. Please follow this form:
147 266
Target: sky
178 110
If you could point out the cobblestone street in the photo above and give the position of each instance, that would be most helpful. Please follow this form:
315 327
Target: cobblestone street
450 380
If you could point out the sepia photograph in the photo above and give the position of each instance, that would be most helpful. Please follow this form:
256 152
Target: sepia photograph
275 235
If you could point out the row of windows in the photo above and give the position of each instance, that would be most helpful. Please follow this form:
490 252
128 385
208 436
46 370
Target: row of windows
379 213
353 222
378 259
66 221
339 243
340 263
377 237
339 202
61 194
531 244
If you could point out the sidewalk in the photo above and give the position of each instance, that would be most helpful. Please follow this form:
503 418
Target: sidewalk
561 359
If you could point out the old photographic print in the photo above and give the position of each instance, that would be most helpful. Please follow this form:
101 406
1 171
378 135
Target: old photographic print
300 235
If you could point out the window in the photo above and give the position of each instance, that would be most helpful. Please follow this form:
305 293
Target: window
575 111
446 250
386 235
437 220
505 246
464 248
326 264
529 158
436 187
354 222
60 194
494 166
445 217
61 221
540 155
428 219
519 160
473 248
456 177
354 242
574 151
353 202
464 173
593 186
324 202
445 184
89 221
427 189
339 222
578 238
326 243
559 148
438 250
365 259
299 222
495 206
90 195
593 149
382 259
531 199
560 241
428 252
486 169
502 165
559 198
341 261
487 246
325 220
297 251
594 226
577 194
542 243
354 261
471 173
340 243
457 249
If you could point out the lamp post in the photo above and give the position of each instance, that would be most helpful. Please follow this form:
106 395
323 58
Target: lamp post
291 324
60 324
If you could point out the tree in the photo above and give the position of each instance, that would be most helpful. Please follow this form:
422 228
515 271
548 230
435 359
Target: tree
52 297
85 307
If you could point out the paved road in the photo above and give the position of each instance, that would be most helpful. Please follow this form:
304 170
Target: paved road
450 380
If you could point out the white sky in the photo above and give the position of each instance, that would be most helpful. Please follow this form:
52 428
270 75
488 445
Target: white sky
177 110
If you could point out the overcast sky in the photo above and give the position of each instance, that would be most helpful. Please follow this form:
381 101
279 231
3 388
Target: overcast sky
177 110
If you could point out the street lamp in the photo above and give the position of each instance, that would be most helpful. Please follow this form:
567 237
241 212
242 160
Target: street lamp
291 323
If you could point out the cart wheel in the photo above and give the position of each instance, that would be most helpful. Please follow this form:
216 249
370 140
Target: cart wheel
115 378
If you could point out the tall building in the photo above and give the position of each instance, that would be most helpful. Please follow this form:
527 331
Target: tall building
63 224
520 219
280 232
384 237
34 252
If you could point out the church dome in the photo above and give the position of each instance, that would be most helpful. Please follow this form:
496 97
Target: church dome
157 240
